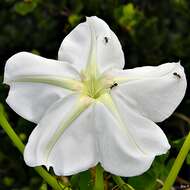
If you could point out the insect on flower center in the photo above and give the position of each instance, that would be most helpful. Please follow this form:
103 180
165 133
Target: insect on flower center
96 85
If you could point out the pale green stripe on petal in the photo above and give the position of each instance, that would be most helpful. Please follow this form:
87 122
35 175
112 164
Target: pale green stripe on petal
82 104
63 82
107 100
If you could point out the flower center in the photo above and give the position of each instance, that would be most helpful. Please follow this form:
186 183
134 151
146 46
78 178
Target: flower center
95 84
94 87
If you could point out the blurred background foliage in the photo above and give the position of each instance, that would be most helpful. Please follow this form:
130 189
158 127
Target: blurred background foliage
151 32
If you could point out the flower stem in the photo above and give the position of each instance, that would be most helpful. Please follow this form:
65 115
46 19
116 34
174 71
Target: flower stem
121 184
99 181
18 143
10 132
177 164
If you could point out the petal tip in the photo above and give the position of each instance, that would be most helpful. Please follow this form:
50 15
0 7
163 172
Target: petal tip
92 18
18 55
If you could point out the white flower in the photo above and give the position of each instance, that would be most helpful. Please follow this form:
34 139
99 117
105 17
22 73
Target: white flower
88 109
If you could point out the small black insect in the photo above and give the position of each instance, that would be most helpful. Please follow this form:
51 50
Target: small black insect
177 75
106 39
113 85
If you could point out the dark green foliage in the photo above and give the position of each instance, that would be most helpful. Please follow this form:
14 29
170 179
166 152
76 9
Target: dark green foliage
151 33
153 179
82 181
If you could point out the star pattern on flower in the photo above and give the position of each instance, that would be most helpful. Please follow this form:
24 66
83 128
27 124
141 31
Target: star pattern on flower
88 109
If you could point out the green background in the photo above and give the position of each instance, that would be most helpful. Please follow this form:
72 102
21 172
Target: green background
151 33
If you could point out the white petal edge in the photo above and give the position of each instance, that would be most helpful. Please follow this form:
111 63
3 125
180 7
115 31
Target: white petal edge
148 136
31 100
75 150
28 64
118 154
79 46
154 92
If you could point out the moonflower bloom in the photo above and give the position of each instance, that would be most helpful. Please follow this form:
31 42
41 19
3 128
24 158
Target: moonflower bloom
87 109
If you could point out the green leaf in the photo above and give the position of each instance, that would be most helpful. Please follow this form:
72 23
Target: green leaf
75 181
74 19
129 16
129 10
82 181
8 181
144 182
25 7
158 172
85 181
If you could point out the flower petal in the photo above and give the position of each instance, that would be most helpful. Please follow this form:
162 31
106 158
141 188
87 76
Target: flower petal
35 83
128 141
92 41
145 132
64 138
154 92
119 153
28 64
32 100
